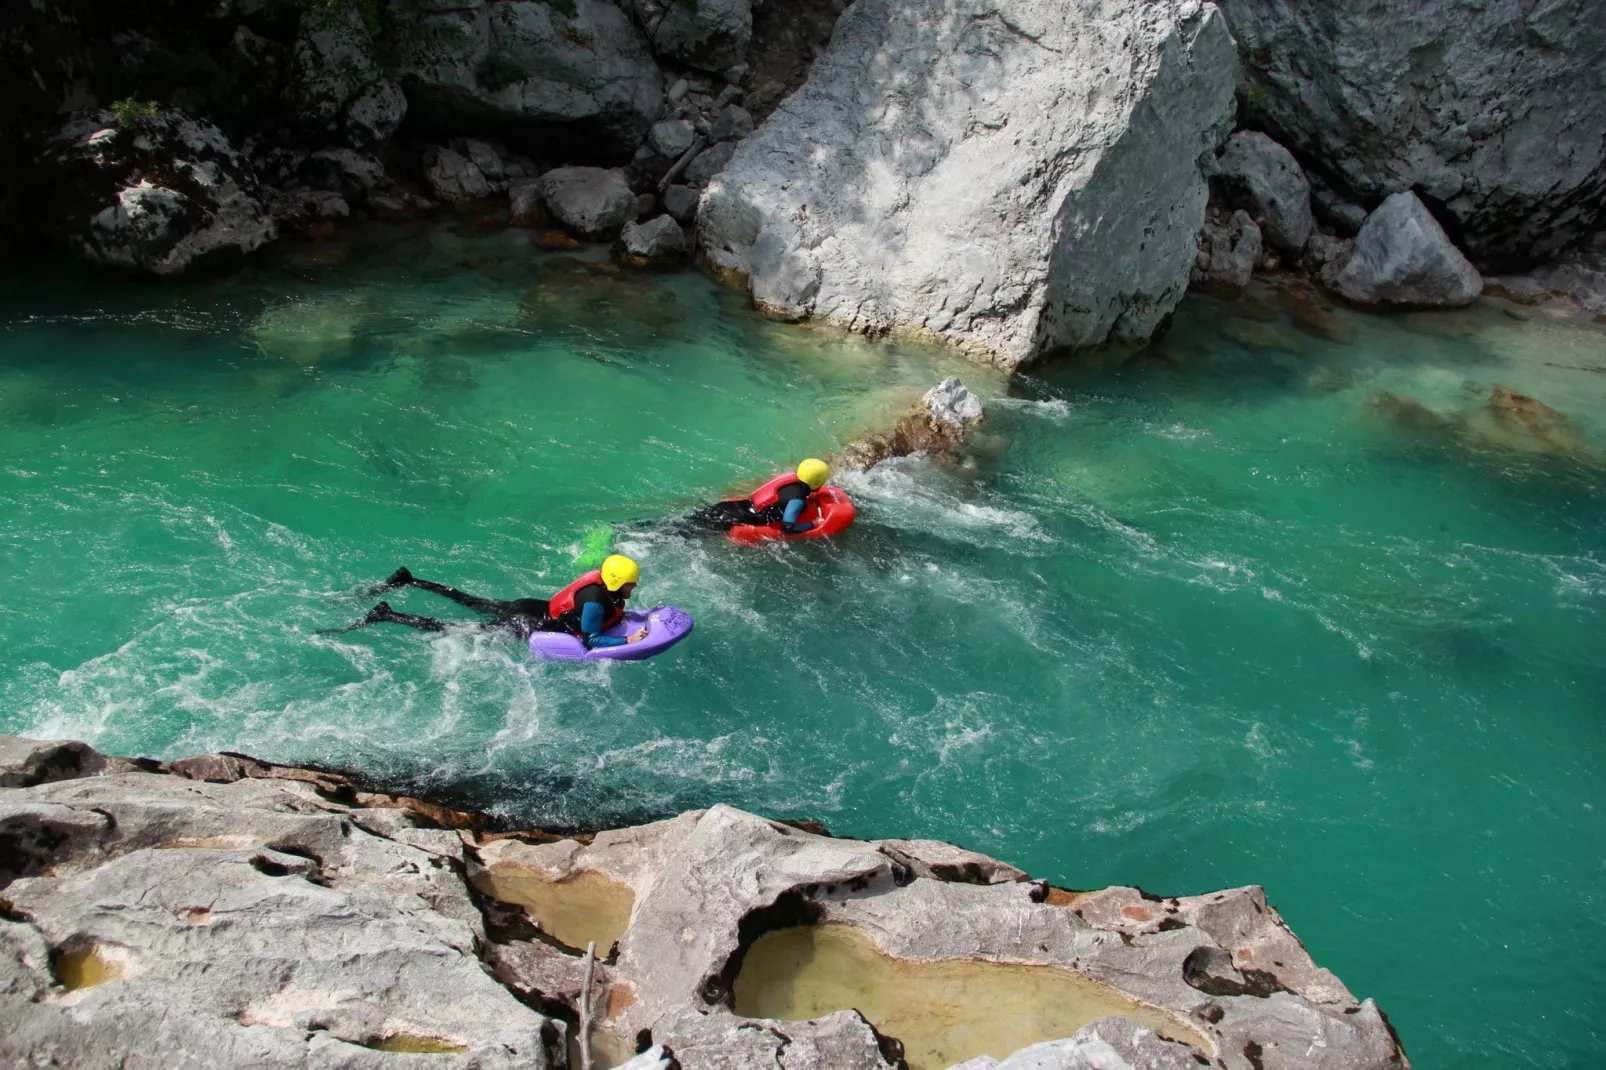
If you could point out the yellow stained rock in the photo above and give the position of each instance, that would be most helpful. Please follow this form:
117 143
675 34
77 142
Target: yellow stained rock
944 1011
575 910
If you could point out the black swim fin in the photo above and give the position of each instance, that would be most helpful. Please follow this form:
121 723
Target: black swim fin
402 577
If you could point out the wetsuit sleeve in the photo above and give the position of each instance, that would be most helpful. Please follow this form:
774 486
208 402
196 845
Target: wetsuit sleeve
591 617
794 509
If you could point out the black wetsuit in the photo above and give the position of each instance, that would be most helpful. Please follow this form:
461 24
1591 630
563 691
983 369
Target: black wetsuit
520 616
722 516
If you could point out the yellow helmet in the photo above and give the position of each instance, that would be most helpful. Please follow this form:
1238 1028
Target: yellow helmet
814 472
619 570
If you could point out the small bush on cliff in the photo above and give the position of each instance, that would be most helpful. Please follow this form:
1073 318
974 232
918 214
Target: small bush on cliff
131 114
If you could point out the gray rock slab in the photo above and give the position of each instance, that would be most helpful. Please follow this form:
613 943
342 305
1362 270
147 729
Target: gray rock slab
659 242
709 163
242 924
708 34
1263 177
452 176
1015 177
1494 110
1402 257
273 925
26 762
337 86
681 202
1229 250
166 196
716 1039
671 137
593 202
685 924
1107 1044
577 74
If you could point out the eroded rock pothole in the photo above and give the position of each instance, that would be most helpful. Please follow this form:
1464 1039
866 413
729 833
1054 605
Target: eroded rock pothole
575 910
943 1011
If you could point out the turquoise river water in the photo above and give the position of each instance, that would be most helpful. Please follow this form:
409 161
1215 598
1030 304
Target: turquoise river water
1315 609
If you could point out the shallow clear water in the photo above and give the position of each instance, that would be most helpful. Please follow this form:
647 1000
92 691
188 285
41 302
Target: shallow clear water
1231 611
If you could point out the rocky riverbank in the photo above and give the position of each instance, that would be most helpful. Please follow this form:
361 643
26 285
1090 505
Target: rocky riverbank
224 911
1014 178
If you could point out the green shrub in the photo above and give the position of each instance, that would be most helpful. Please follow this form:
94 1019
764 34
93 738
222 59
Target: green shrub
498 72
132 114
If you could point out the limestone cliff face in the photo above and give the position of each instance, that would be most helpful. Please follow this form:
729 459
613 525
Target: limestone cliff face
1495 111
1014 176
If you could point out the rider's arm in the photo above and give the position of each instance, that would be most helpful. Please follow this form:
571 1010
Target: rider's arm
794 509
591 617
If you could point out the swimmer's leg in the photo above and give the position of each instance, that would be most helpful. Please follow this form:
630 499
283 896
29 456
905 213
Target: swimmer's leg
722 516
402 577
383 614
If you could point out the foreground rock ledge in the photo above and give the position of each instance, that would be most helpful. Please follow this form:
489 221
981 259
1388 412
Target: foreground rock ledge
224 911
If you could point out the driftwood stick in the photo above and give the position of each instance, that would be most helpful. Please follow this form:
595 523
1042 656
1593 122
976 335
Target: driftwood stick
585 1007
680 164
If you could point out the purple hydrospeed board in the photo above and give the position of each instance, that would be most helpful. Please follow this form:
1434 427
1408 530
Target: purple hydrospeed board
666 626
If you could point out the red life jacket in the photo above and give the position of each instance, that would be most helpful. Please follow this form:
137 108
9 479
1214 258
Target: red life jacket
764 496
563 602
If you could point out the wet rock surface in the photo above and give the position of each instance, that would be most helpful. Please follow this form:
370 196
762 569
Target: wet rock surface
278 916
980 229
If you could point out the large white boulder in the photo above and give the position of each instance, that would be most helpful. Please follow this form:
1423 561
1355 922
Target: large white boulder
1402 257
1015 176
1495 111
162 194
576 78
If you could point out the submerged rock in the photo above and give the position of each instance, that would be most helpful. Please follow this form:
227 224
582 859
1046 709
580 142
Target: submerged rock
162 194
250 914
948 413
1495 111
1402 257
955 167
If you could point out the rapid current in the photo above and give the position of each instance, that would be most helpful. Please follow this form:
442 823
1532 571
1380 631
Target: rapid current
1305 599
